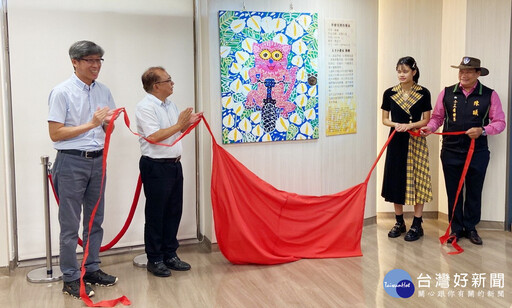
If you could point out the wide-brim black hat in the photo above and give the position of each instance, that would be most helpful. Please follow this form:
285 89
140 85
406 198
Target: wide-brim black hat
469 62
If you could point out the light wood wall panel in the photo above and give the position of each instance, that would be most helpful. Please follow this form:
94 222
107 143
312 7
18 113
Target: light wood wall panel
488 38
409 28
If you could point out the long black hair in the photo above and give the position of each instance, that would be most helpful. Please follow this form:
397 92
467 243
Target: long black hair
410 62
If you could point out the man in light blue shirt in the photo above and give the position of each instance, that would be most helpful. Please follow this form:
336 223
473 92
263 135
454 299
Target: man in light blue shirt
159 120
80 108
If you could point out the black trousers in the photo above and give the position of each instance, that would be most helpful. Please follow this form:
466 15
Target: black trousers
163 188
469 205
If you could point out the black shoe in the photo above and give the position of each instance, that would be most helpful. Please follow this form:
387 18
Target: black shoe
176 264
158 269
397 230
454 234
100 278
474 237
414 233
73 288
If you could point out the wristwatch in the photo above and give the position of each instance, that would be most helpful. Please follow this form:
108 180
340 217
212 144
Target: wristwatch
484 133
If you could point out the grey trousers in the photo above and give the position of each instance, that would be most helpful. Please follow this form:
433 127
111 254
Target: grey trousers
77 182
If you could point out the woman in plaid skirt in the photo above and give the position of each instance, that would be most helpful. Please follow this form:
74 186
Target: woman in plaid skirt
407 107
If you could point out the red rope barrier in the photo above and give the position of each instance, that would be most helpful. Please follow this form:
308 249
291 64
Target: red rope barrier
128 219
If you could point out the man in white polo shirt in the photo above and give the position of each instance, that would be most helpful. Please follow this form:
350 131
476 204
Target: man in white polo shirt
159 120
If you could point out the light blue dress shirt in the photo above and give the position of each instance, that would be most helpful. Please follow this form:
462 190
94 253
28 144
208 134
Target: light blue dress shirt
73 103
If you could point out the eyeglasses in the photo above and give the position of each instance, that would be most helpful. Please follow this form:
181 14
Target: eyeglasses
167 80
93 61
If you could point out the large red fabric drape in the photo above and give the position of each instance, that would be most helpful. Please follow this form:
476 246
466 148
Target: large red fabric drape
257 223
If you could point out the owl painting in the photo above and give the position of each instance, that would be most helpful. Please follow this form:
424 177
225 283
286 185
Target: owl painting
274 81
266 62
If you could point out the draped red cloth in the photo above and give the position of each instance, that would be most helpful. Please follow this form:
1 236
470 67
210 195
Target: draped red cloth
257 223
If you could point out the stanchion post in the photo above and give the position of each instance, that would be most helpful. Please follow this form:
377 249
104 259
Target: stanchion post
50 273
140 260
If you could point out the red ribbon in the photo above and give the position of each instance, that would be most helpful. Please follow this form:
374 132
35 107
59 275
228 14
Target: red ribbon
128 219
188 130
443 239
137 189
123 299
83 295
378 157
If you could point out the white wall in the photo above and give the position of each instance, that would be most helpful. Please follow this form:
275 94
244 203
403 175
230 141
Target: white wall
340 161
135 36
488 38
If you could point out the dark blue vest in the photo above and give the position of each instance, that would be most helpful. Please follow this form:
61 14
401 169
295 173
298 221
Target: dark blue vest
463 113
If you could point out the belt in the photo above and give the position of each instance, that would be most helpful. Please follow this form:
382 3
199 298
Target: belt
164 160
86 154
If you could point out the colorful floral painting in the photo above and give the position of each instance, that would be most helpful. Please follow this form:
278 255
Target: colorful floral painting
268 66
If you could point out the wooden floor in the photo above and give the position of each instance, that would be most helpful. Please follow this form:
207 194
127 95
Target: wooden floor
345 282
